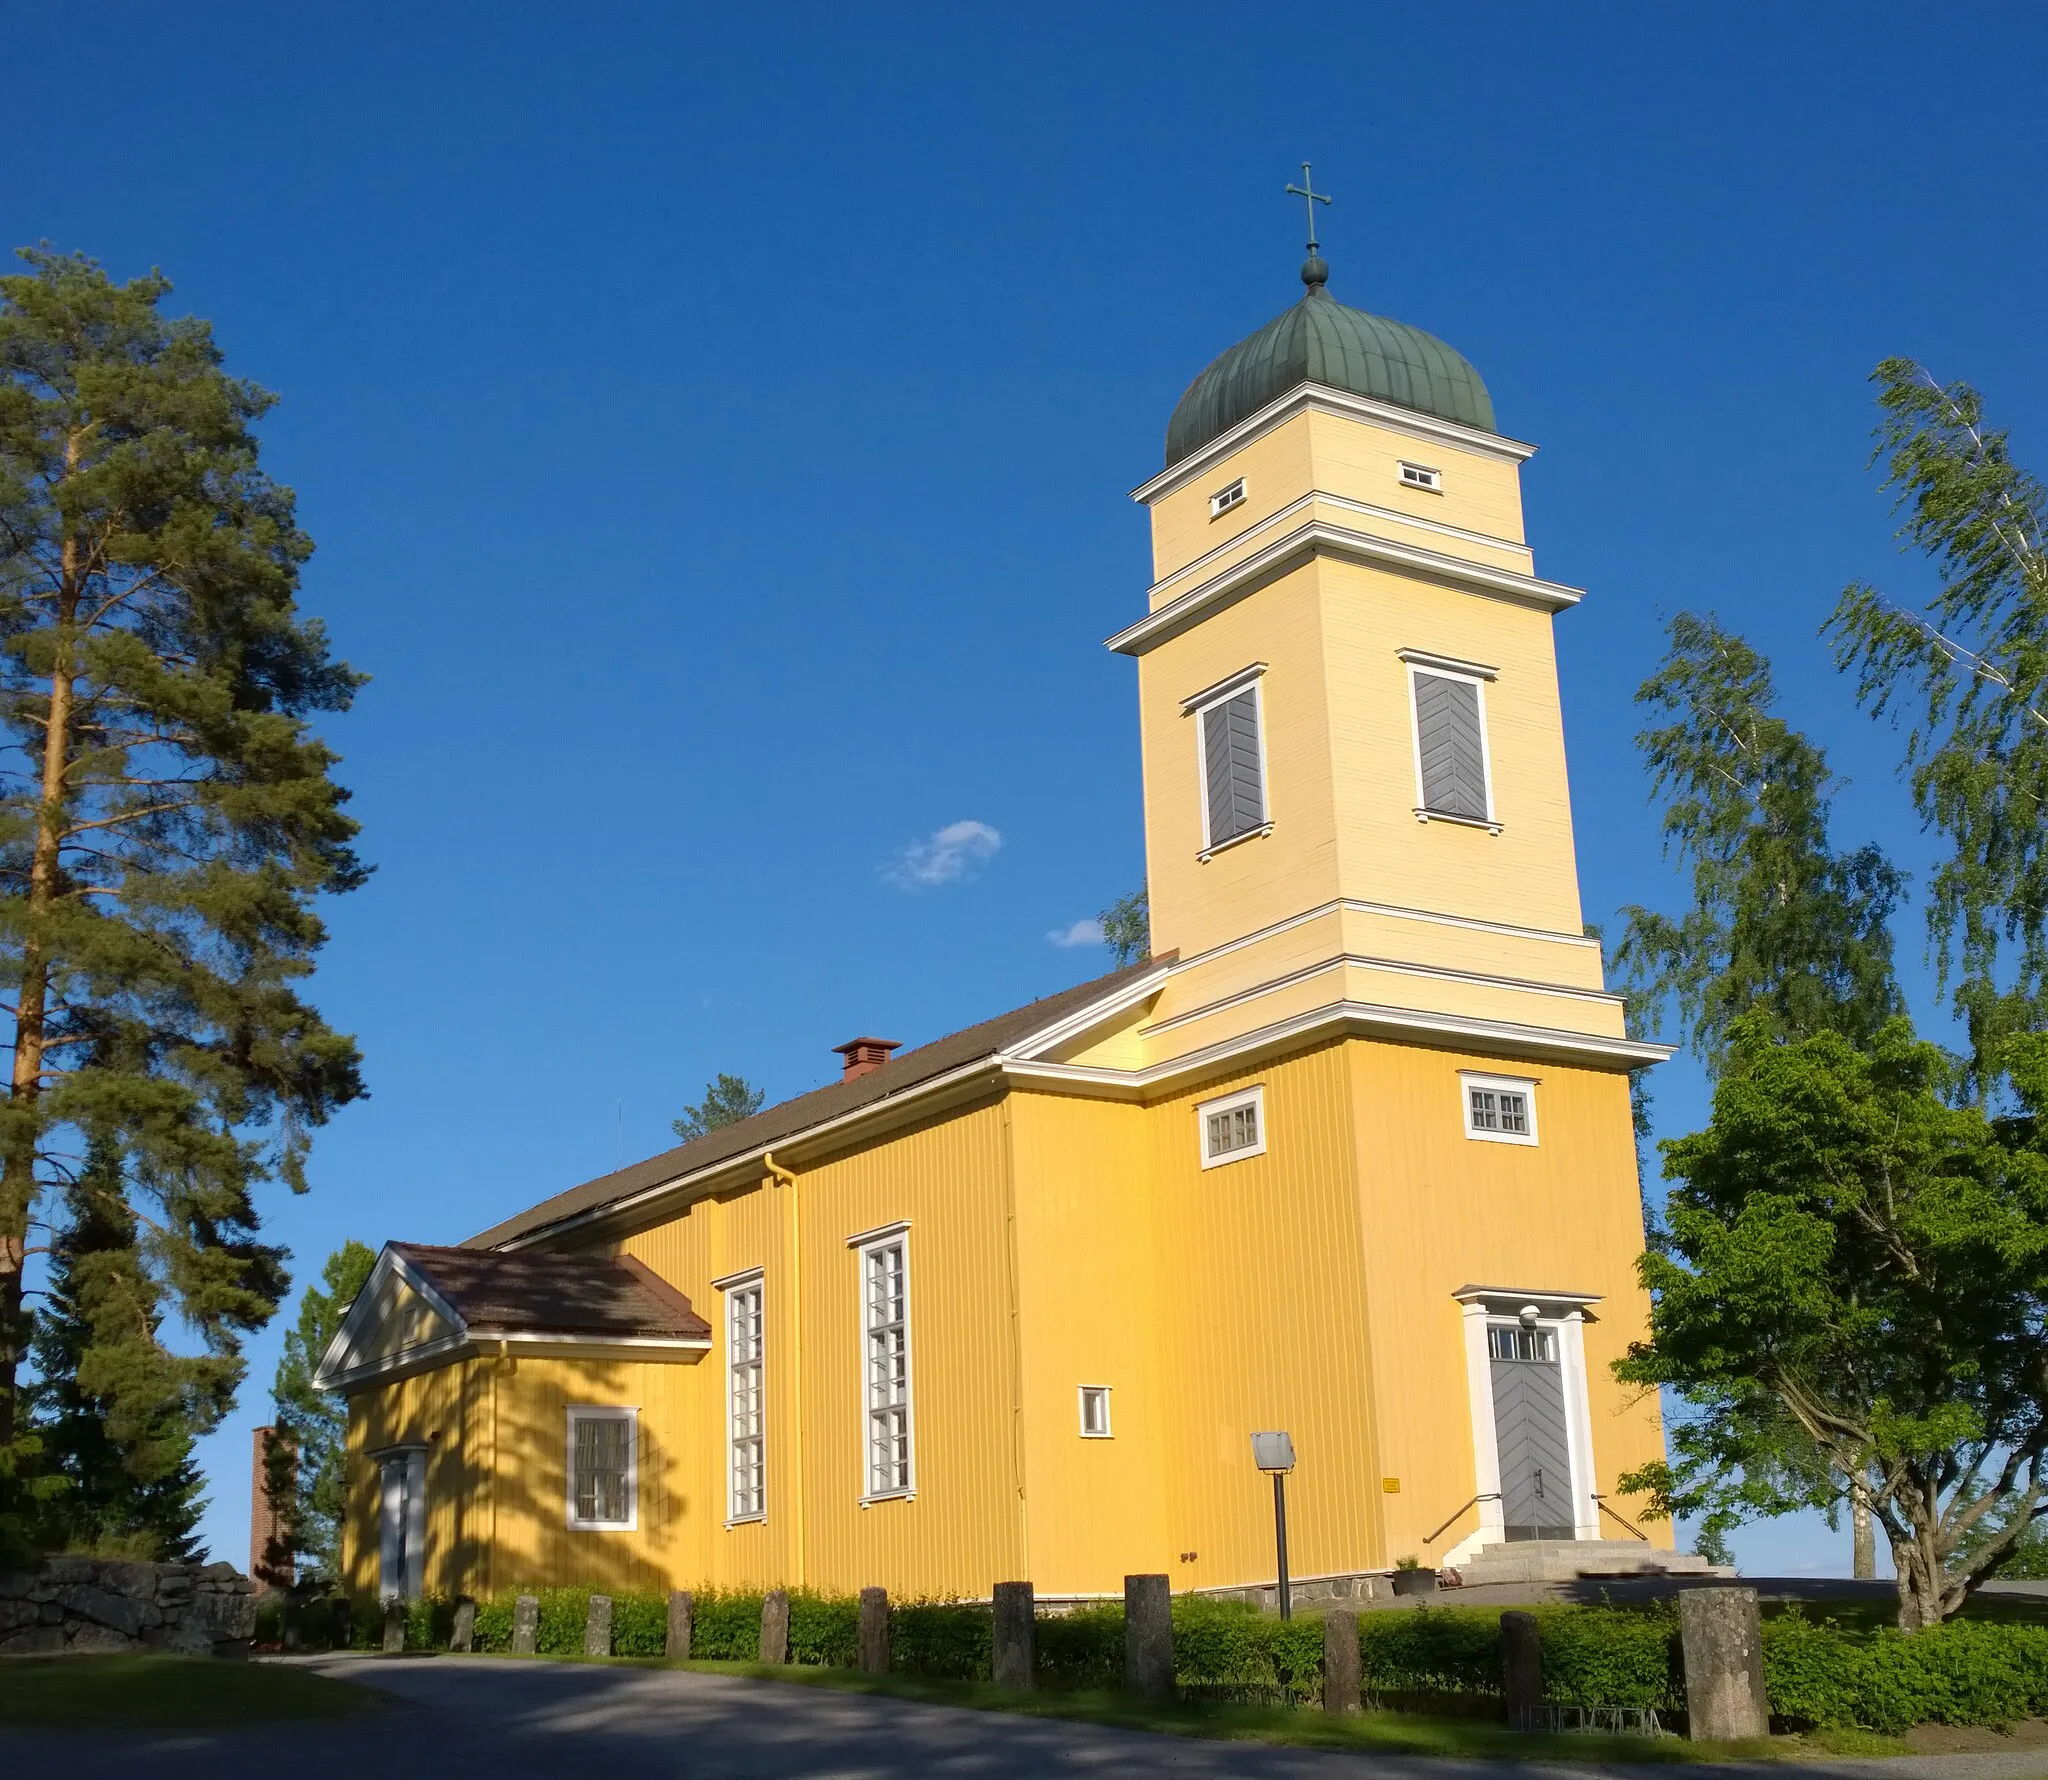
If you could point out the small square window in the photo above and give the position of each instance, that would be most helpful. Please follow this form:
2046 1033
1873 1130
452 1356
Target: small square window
1095 1412
1423 477
1233 1128
1231 494
1499 1109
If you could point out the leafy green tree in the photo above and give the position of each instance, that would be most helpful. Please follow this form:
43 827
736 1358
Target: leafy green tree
1780 924
169 816
305 1461
1127 927
110 1402
1847 1238
1969 675
1783 928
727 1100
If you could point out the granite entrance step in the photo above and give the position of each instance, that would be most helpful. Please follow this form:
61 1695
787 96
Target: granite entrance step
1572 1560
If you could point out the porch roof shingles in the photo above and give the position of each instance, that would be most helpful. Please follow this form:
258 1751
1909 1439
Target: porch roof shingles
792 1118
551 1294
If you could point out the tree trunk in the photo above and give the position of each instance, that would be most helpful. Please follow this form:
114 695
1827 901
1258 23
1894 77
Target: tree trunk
1862 1534
18 1167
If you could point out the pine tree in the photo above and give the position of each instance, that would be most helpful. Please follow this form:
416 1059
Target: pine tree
167 816
110 1403
727 1100
305 1461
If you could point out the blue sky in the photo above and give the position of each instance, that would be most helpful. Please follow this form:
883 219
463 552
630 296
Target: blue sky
717 422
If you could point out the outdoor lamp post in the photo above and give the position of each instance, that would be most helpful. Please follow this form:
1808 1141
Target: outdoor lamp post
1274 1455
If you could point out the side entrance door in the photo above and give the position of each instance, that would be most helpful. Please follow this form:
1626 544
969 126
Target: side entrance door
402 1525
1529 1428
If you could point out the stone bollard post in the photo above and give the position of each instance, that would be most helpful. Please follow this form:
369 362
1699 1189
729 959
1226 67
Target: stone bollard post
682 1608
775 1626
874 1630
294 1622
394 1624
463 1639
1148 1637
597 1627
1521 1668
1340 1660
1724 1663
343 1623
525 1624
1016 1616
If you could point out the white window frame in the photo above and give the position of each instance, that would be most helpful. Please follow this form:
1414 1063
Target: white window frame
865 1245
1421 476
1476 677
737 1289
1227 498
1253 680
1081 1395
1204 1110
1525 1085
579 1413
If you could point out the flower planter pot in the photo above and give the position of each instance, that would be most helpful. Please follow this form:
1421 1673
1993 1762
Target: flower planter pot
1414 1582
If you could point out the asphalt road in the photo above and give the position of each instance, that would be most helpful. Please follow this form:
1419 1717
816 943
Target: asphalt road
479 1719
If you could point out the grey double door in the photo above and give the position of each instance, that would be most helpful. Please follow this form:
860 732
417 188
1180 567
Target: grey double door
1529 1428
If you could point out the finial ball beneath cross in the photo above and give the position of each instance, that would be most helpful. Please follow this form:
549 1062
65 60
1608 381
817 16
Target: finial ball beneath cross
1315 270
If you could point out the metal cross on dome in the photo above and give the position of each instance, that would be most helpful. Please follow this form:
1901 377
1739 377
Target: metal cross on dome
1310 198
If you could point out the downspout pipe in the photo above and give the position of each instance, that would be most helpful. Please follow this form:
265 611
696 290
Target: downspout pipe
782 1177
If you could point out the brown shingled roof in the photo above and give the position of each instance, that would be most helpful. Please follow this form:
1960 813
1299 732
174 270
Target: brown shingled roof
534 1292
791 1118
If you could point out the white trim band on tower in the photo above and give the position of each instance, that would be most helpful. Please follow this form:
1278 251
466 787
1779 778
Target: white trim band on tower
1319 536
1325 399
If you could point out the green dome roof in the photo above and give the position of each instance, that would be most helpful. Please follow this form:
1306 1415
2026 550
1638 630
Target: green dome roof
1319 340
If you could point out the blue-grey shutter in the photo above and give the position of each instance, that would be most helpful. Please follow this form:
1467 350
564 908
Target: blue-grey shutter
1230 749
1453 756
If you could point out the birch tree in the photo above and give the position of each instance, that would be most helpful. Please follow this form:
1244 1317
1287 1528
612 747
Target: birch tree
1967 678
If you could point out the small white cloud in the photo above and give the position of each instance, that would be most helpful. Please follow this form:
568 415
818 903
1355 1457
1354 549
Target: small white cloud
953 853
1085 932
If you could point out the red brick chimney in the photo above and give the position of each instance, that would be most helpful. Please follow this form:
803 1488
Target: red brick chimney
270 1558
865 1054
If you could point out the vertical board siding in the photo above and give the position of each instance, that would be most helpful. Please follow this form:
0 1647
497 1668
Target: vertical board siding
1261 1326
1441 1211
1088 1293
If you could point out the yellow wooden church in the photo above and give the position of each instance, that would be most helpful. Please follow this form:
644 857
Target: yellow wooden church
1349 1156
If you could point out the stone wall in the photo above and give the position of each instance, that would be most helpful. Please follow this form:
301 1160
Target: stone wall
79 1603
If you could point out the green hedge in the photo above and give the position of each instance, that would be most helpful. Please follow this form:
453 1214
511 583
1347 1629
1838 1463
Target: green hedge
1816 1673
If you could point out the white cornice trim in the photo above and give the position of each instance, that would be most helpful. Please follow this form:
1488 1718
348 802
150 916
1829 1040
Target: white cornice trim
1502 1037
1393 967
1223 688
1322 497
430 1354
1479 1294
1320 535
396 1365
1324 399
1393 911
1423 659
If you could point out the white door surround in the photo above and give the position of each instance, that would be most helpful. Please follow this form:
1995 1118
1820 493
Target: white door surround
1564 1314
401 1522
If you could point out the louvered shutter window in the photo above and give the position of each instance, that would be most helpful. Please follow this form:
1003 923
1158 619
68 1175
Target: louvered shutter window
1230 753
1453 754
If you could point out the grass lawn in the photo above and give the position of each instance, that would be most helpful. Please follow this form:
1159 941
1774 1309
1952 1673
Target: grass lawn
136 1691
